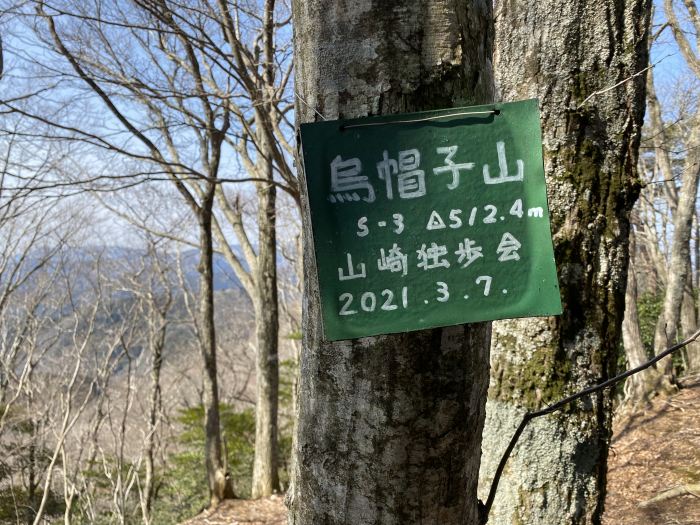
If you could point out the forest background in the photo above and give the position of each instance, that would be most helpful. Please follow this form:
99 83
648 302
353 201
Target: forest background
150 267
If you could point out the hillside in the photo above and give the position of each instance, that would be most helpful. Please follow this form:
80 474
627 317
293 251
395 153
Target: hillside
265 511
652 452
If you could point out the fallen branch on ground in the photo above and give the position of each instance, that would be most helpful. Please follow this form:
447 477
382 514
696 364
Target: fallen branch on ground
681 490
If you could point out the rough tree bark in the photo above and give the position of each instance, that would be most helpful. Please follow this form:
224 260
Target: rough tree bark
563 52
389 427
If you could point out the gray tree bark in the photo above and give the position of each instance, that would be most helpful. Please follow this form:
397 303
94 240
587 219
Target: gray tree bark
562 52
389 427
265 476
667 325
637 387
692 161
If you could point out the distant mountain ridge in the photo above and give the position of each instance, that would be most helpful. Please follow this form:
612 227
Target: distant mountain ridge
120 260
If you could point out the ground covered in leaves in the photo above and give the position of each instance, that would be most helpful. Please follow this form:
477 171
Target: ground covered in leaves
265 511
655 450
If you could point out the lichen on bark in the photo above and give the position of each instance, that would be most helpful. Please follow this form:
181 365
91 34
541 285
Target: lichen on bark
563 52
389 427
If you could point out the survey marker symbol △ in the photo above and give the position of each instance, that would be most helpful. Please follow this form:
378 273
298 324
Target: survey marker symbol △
409 234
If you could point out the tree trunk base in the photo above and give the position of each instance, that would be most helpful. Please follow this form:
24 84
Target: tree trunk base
222 490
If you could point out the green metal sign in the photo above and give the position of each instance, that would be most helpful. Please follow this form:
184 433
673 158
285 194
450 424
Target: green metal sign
430 219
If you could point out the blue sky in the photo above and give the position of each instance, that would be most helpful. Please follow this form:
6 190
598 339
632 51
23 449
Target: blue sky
672 73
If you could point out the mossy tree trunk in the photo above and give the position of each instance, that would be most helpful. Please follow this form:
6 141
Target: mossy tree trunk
389 427
562 52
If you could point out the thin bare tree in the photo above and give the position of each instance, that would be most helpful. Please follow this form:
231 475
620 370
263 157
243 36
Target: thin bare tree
215 92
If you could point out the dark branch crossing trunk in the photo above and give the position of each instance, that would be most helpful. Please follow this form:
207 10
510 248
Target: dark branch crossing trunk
389 427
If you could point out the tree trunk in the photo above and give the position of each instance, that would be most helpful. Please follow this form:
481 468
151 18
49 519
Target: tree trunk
689 183
689 320
265 477
637 386
662 145
695 275
32 474
650 262
157 342
657 130
219 481
667 325
563 52
389 427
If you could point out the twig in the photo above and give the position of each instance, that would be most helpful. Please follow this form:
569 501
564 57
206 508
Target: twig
681 490
601 91
422 119
485 508
309 106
